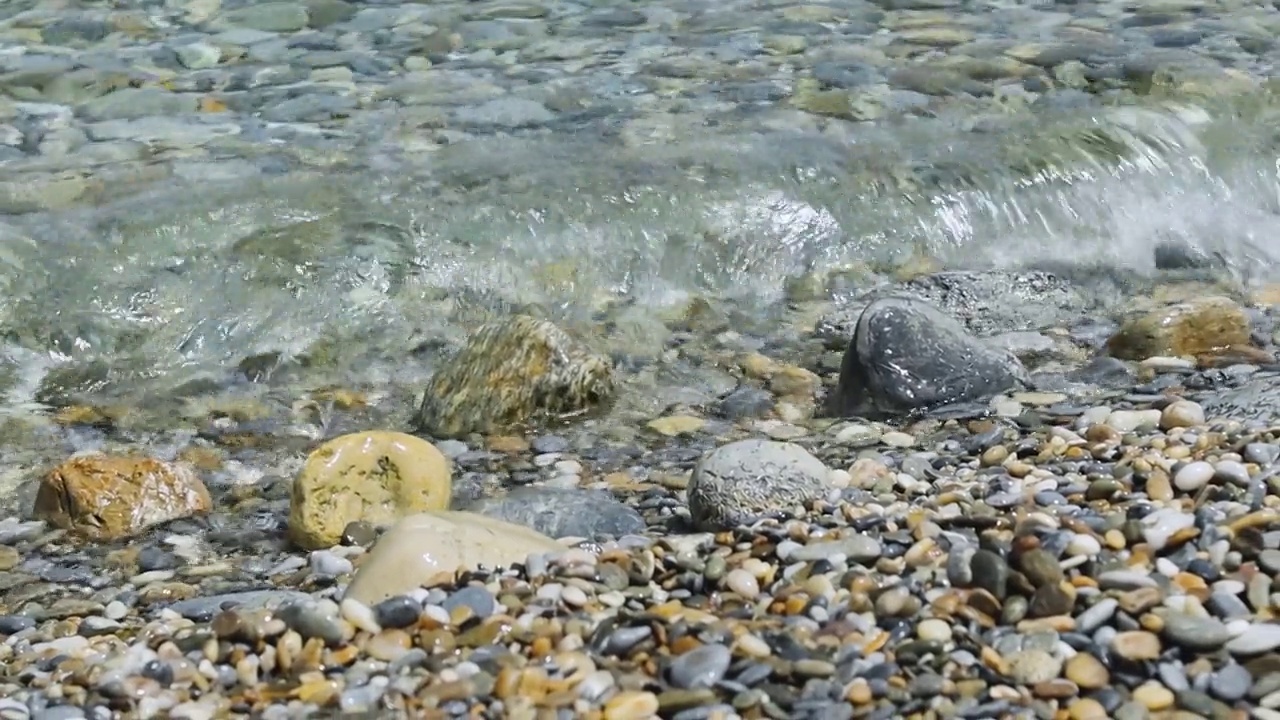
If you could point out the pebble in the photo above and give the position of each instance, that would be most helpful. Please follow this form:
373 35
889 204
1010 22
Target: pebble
1202 634
1256 639
700 667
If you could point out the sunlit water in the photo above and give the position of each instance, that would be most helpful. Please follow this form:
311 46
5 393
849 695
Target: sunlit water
355 272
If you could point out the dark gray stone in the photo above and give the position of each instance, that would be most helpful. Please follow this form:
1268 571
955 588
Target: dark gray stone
906 355
1182 255
563 512
745 402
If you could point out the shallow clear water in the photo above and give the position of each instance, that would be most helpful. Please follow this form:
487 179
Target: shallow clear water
361 272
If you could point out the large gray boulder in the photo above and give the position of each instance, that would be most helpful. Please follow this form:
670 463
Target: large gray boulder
907 355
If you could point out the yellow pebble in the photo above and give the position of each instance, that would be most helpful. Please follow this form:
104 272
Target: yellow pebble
631 705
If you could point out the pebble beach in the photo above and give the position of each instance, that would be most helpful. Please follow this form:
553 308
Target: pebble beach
617 360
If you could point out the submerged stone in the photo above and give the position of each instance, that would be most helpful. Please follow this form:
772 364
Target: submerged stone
563 512
512 372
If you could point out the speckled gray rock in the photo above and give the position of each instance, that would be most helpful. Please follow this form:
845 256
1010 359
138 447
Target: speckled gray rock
907 355
749 479
512 372
563 512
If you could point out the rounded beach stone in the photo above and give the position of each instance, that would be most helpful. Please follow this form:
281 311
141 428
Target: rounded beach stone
422 546
907 355
376 477
748 479
109 497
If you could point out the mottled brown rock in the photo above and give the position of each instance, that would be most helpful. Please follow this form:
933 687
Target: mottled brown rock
376 477
1202 326
422 546
110 497
511 373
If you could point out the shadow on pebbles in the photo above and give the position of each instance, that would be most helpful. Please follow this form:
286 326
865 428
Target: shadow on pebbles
908 514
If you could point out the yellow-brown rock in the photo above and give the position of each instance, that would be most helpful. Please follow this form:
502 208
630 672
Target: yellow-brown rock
510 373
378 477
1197 327
422 546
111 497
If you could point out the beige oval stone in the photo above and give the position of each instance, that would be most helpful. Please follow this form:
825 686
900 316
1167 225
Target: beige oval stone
1087 671
422 546
1136 645
631 705
109 497
376 477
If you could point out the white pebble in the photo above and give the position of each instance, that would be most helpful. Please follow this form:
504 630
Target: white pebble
116 610
359 615
1181 414
1229 587
595 685
1082 544
1160 525
569 467
934 630
1233 472
1094 416
753 646
895 438
327 564
573 596
551 591
1163 362
1129 420
1193 476
743 583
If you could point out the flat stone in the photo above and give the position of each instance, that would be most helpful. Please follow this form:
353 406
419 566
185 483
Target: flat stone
1202 634
201 609
1257 639
425 546
563 512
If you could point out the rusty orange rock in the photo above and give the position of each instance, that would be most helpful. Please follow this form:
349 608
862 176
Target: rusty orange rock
111 497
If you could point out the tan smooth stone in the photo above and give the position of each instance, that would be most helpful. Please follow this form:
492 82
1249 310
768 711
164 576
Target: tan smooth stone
378 477
422 546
